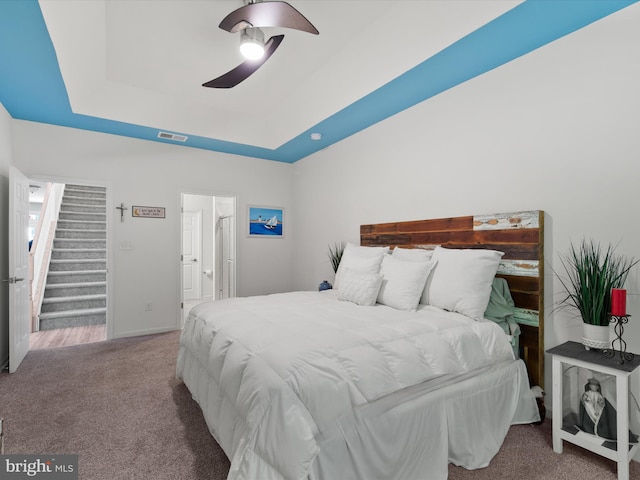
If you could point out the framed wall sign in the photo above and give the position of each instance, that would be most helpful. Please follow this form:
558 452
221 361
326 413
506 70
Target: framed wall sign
265 222
147 212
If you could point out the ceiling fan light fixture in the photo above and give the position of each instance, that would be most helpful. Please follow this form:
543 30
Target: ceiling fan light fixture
252 43
248 21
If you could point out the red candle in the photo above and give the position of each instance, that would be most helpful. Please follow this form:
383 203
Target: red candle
618 302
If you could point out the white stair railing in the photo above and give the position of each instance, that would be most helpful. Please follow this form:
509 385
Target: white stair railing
40 253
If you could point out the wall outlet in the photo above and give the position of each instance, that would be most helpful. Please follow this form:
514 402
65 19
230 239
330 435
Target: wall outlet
147 307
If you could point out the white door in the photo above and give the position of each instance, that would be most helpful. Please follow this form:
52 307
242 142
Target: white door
19 312
191 255
225 257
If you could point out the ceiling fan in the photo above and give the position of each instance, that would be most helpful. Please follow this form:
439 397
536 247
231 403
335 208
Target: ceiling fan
248 20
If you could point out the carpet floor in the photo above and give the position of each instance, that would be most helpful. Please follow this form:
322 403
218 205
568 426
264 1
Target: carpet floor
119 407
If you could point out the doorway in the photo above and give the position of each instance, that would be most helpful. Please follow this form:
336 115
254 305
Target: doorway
208 249
68 227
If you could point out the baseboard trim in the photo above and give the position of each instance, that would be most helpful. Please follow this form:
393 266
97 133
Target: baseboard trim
139 333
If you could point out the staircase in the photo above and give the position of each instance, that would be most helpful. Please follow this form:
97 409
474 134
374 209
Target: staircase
76 289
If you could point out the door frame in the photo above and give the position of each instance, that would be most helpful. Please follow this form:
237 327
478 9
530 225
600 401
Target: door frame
111 214
190 191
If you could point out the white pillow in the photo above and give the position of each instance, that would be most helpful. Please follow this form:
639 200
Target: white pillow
462 278
360 288
412 254
403 282
361 259
415 255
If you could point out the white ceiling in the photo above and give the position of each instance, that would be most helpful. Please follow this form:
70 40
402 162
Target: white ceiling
143 61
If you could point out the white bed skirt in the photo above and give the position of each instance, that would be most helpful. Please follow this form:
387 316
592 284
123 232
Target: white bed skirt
405 435
463 423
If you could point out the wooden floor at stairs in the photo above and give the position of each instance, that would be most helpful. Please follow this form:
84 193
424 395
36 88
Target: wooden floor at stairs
64 337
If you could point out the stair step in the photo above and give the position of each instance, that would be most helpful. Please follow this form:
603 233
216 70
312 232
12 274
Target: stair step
80 302
82 216
83 201
82 207
73 318
84 194
82 190
79 243
78 207
75 298
96 234
75 289
73 313
76 284
77 276
79 253
81 224
56 265
77 194
78 186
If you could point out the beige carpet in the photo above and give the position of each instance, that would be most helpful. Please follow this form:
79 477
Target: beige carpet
118 405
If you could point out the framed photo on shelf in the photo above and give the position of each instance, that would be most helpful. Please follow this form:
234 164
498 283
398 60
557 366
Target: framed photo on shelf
265 222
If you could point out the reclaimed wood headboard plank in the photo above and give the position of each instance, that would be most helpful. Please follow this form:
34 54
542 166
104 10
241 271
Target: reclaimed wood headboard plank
520 235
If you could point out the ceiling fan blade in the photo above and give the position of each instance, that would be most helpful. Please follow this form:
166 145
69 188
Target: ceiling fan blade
247 68
266 14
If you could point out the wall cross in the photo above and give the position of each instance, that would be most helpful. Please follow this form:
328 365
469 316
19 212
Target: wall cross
122 208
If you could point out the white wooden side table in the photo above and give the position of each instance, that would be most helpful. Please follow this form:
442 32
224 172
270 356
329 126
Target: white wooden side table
574 353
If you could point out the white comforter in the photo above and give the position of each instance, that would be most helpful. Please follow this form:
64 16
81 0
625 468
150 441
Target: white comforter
275 375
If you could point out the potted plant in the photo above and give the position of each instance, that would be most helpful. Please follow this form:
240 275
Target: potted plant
591 273
335 255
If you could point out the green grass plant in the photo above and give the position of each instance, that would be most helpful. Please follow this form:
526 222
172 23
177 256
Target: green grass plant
592 271
335 255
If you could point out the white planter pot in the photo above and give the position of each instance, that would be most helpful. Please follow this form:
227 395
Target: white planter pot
595 336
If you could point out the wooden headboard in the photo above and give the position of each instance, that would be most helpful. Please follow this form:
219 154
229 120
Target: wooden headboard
520 235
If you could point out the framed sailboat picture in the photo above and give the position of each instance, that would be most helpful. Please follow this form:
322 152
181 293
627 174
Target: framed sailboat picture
265 222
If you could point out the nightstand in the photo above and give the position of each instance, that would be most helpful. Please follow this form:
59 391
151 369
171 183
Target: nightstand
574 353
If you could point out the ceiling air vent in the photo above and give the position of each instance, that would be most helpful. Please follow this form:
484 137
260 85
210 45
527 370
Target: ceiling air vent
172 136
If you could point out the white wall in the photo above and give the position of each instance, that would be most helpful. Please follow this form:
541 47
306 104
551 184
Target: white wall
556 130
145 173
5 163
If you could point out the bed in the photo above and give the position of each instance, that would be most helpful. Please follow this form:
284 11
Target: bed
374 379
